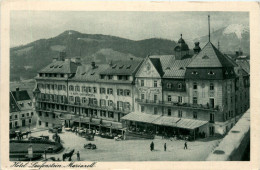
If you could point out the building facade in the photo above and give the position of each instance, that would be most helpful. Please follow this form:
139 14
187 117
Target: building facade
22 112
204 93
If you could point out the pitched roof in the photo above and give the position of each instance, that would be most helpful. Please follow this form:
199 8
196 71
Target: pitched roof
244 64
126 67
210 56
13 105
66 66
87 73
20 95
157 64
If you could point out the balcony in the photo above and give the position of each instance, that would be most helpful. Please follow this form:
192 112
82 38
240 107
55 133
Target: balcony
178 105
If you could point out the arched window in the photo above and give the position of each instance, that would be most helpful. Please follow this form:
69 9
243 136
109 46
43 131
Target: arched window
211 73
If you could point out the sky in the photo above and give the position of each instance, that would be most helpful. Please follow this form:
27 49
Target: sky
28 26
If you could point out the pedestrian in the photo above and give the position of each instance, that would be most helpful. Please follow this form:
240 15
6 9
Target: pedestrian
78 156
185 145
152 146
165 147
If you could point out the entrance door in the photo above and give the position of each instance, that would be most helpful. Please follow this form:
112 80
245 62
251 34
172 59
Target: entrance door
23 122
211 102
211 130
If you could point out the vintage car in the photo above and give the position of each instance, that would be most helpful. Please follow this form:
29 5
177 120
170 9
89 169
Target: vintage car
55 130
90 146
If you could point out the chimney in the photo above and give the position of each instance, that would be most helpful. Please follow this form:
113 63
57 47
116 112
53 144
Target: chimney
17 93
197 48
62 56
93 64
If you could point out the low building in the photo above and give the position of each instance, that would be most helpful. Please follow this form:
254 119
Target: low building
22 112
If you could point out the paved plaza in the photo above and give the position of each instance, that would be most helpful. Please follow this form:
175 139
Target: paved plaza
133 150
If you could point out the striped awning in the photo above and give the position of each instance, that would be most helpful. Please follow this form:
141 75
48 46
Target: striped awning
117 125
140 117
167 121
190 123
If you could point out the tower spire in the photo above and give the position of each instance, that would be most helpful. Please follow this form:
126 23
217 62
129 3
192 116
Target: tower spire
209 26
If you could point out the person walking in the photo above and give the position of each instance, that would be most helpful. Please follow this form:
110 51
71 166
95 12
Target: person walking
165 147
78 156
185 145
152 146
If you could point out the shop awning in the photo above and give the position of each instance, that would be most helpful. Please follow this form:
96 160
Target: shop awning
95 121
140 117
82 119
106 123
166 121
190 123
117 125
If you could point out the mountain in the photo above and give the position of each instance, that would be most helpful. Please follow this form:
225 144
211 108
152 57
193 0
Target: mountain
26 60
230 38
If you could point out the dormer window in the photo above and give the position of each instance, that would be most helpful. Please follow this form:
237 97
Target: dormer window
195 72
169 85
205 57
211 73
60 66
51 66
168 68
121 66
56 66
102 76
179 86
83 73
226 72
128 67
181 68
92 73
114 66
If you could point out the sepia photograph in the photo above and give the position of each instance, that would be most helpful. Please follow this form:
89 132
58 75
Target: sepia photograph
128 86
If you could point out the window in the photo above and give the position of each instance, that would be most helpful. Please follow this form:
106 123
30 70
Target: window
169 112
40 123
211 86
53 116
232 113
111 114
195 86
180 99
169 85
89 89
84 89
121 92
211 73
127 92
61 75
142 108
127 105
102 76
102 91
109 91
64 88
212 117
46 114
71 98
31 113
27 114
142 96
142 82
195 100
77 88
71 88
83 99
46 124
110 103
52 87
169 98
103 102
179 113
231 100
22 115
155 110
40 113
179 86
155 84
119 104
103 113
195 115
110 77
94 90
155 98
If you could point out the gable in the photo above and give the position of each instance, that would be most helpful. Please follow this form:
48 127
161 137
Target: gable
147 69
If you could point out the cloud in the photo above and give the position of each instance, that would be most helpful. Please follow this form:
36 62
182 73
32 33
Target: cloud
28 26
